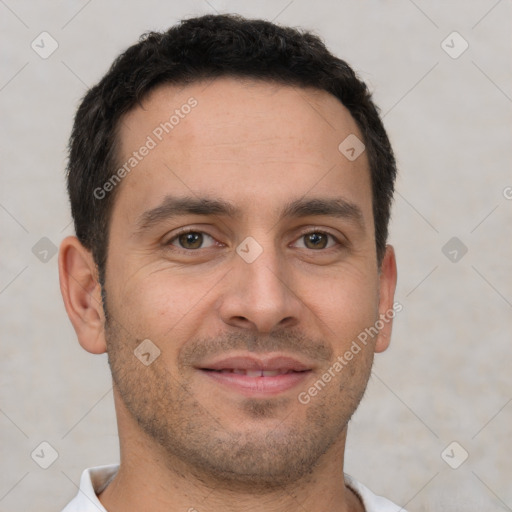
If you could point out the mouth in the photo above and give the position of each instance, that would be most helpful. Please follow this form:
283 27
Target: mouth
253 373
257 376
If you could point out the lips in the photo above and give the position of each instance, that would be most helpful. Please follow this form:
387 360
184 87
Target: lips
268 363
254 376
255 373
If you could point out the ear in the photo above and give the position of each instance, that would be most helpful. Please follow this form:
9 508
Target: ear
387 285
81 292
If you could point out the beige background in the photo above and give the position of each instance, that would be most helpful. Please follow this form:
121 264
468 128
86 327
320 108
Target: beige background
447 374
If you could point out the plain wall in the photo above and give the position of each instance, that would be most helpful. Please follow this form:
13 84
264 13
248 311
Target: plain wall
446 376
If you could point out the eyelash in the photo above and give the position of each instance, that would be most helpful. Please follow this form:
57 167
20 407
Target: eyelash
184 231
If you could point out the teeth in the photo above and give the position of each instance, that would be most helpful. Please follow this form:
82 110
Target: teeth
257 373
254 373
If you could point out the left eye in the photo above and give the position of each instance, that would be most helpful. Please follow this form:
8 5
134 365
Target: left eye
190 240
317 240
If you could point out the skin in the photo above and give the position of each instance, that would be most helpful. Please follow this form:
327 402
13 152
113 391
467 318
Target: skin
187 441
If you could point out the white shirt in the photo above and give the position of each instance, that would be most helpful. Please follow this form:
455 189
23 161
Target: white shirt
94 480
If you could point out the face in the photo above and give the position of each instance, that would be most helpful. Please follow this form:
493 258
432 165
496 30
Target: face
242 246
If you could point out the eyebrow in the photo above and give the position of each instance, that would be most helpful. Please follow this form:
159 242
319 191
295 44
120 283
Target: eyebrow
172 207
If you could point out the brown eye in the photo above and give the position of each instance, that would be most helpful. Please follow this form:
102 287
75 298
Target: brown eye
190 240
317 240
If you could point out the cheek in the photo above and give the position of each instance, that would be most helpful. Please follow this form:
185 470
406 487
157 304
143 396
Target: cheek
347 303
159 306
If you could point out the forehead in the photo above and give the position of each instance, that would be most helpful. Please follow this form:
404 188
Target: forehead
231 110
237 138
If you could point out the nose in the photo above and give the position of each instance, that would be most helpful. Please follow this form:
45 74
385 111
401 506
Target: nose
260 295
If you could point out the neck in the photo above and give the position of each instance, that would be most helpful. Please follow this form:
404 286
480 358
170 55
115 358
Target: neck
150 479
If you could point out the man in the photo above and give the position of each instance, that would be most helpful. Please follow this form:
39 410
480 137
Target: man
230 183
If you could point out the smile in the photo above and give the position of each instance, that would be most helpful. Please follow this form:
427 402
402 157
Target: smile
256 376
255 373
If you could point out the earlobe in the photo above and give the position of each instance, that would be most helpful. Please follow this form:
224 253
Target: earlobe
387 286
81 292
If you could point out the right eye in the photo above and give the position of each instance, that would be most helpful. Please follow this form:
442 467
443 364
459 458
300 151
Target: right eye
190 240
